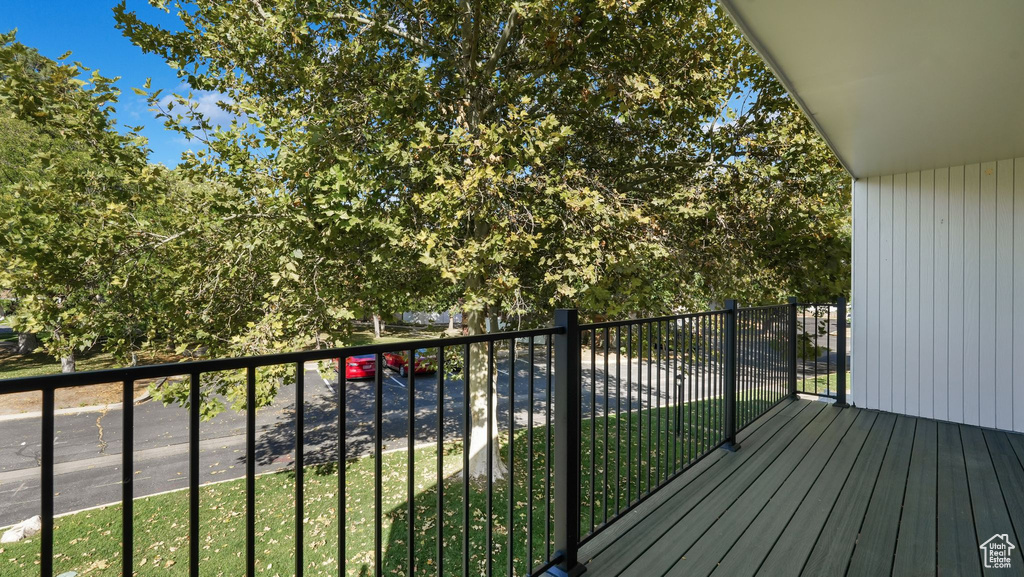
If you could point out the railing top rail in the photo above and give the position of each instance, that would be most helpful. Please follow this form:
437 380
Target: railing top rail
762 308
613 324
85 378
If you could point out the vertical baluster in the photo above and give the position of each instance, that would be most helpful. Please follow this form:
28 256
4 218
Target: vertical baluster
46 488
618 418
466 425
629 415
378 449
605 462
300 392
657 404
593 425
250 471
411 461
193 473
511 526
529 457
650 404
440 461
342 461
489 387
547 457
127 477
828 347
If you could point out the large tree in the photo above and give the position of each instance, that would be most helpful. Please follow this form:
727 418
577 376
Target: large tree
532 154
75 197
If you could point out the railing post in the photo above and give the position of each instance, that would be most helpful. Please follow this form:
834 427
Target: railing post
841 353
791 352
731 368
567 443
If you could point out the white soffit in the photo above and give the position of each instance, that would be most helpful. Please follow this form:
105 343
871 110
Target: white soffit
899 85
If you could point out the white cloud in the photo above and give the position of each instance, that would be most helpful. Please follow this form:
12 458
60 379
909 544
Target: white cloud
207 103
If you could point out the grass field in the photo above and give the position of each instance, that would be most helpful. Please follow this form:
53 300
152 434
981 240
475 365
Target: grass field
89 542
822 383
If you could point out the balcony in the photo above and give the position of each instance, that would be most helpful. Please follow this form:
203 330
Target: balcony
817 490
686 444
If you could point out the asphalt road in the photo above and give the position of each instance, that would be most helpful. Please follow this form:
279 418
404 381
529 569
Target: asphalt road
88 445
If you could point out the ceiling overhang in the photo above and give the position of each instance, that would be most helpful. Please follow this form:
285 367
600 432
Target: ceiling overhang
898 85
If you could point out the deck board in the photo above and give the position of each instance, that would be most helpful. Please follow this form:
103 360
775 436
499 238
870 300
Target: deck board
801 496
876 545
990 514
956 543
916 556
713 545
679 536
835 544
612 533
816 490
1010 475
632 543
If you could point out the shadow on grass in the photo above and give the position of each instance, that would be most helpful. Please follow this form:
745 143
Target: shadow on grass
622 471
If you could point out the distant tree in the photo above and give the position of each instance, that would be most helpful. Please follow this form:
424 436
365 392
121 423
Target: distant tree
73 193
531 154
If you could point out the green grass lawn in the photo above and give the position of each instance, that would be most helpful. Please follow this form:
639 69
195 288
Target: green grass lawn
41 363
89 542
821 384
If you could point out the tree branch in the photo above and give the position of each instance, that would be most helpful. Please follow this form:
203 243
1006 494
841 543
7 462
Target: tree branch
397 32
504 42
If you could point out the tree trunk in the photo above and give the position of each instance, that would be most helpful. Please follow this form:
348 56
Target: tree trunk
451 321
27 343
376 326
479 391
67 363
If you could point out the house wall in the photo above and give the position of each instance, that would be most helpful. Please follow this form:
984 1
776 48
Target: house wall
938 293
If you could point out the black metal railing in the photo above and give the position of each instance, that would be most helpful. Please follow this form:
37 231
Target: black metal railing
820 349
585 421
651 404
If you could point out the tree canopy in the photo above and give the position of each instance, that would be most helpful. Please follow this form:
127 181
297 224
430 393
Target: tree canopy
75 197
610 155
614 156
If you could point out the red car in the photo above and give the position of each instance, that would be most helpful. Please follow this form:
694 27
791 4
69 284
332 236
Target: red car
361 367
426 362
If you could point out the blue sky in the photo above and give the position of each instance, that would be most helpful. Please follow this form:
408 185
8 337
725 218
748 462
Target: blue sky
86 27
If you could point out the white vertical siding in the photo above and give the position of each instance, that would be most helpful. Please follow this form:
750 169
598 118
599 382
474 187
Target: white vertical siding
940 299
926 303
938 293
859 346
912 314
987 301
1018 292
873 303
885 309
1003 349
972 290
899 293
955 316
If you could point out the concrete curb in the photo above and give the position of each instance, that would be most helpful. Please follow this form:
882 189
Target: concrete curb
80 410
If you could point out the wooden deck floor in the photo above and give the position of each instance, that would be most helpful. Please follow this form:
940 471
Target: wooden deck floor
815 490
